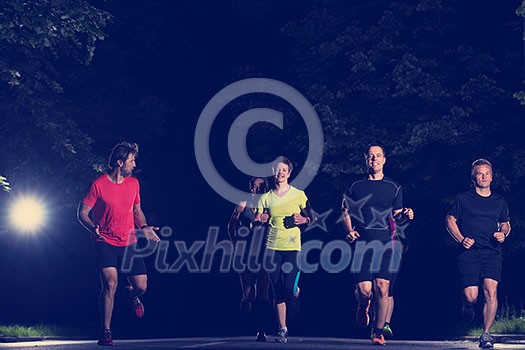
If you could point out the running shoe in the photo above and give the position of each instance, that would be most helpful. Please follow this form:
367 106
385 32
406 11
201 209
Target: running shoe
362 318
378 339
486 341
387 331
261 337
105 338
135 302
467 312
282 336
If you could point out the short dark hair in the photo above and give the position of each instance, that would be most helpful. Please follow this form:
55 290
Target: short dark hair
284 160
264 188
121 151
478 162
376 144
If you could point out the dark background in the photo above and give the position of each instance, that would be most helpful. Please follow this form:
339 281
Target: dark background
152 75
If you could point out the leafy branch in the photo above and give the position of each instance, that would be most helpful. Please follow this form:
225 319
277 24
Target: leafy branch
4 184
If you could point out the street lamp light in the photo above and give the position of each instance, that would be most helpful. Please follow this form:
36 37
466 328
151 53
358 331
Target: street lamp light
27 214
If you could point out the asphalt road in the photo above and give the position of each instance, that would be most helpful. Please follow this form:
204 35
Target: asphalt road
234 343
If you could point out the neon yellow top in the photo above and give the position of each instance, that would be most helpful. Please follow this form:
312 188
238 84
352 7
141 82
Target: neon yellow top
280 237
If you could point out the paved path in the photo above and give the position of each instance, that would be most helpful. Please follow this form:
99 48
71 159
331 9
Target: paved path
242 343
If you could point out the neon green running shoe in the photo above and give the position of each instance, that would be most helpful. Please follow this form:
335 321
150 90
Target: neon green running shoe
387 331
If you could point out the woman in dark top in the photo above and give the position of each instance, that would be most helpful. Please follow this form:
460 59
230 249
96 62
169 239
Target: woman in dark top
254 282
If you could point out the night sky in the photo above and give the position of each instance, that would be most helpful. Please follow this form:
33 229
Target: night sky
174 56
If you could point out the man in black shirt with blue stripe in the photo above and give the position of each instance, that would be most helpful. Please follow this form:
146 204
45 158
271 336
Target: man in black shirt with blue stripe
479 222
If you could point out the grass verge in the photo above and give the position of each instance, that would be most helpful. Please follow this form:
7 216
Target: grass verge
508 326
509 320
40 330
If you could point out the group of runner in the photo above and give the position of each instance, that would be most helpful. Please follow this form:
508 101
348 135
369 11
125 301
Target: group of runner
372 208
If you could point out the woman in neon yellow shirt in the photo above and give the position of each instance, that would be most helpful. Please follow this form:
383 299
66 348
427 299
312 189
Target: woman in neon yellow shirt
288 210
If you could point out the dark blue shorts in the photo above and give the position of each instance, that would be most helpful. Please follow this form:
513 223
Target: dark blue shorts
383 263
122 258
477 264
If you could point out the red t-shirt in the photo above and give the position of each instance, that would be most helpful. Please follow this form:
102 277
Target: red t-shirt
112 208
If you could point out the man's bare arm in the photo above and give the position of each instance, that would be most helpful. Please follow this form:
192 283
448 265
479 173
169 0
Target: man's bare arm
453 230
503 232
140 221
83 217
351 234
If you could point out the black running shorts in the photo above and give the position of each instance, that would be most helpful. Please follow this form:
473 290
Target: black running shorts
124 259
381 264
477 264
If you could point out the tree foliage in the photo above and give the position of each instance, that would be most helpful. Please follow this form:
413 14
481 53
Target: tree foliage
415 77
4 184
39 40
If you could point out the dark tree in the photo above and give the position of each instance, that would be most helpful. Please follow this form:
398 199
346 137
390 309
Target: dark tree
39 40
431 80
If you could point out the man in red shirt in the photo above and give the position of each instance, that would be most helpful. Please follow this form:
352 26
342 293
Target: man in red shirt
111 212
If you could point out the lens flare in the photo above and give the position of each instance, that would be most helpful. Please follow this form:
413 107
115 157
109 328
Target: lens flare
27 214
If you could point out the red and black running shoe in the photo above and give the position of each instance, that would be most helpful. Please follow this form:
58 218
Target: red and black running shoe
135 302
105 338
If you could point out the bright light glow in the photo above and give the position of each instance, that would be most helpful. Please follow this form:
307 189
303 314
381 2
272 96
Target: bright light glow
27 214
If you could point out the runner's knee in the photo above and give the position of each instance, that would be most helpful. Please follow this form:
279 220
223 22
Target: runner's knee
491 294
363 293
110 285
140 288
471 298
382 287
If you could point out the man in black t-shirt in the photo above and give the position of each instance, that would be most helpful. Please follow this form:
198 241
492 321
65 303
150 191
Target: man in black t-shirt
479 222
373 204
